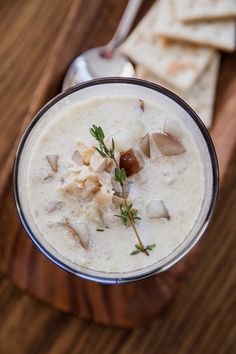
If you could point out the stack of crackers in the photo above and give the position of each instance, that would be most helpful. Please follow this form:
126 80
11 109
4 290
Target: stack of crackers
177 44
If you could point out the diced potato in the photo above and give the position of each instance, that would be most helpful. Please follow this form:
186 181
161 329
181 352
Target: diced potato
77 158
105 178
123 140
94 213
53 162
167 144
145 145
83 233
157 209
129 136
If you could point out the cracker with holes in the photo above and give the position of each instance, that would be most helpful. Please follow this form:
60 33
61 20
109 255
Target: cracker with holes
218 34
178 64
201 96
201 10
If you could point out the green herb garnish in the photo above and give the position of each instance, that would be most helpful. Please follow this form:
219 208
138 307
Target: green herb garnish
128 214
138 249
125 212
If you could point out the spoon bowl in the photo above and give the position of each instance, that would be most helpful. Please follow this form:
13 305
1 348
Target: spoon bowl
95 63
107 60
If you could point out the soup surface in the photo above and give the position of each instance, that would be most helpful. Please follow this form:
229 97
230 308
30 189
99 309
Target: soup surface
76 203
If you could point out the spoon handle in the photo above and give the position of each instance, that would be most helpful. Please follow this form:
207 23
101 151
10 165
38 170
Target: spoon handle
124 25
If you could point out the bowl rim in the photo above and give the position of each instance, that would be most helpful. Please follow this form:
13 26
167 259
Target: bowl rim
214 166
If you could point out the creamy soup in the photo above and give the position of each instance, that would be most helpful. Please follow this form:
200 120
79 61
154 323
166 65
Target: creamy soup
76 203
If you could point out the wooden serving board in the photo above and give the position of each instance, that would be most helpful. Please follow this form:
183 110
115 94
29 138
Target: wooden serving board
128 305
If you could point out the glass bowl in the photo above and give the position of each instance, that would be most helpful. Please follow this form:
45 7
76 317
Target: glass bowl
131 87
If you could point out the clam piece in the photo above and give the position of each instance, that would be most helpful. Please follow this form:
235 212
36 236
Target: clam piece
129 161
145 145
80 231
69 187
117 201
86 152
173 127
97 163
156 209
87 183
89 188
104 196
53 162
94 214
168 144
77 158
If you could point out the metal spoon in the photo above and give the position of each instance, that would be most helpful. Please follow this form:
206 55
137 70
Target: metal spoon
107 60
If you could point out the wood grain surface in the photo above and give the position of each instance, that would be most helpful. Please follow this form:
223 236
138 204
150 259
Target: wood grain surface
29 269
202 320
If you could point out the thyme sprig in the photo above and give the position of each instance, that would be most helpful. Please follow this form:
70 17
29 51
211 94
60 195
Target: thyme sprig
120 176
124 214
128 214
138 250
103 150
